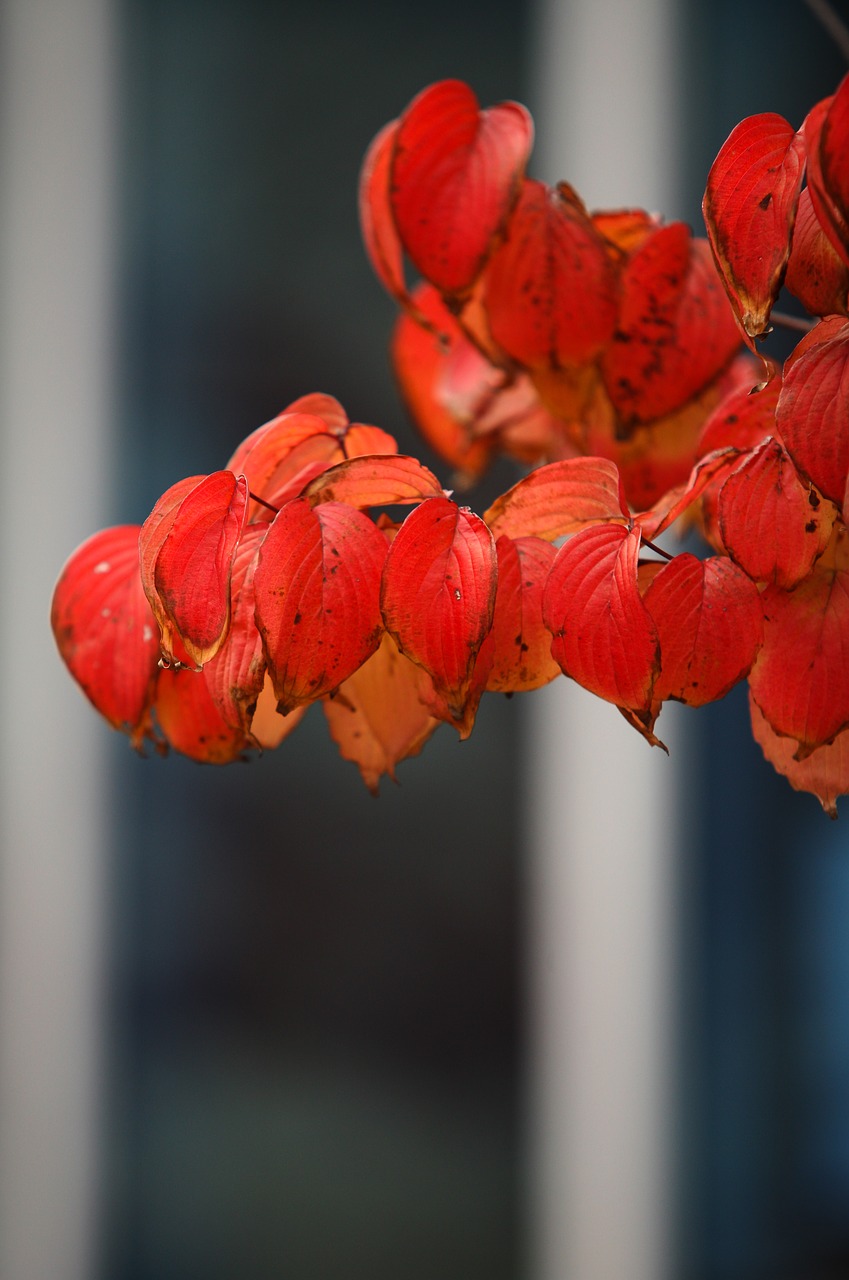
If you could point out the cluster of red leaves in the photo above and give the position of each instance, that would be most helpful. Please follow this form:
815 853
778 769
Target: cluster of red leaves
600 345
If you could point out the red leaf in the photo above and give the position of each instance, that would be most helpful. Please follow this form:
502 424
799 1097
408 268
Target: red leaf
375 481
676 332
438 594
317 590
104 628
813 412
772 524
604 637
558 499
750 207
710 624
815 273
377 223
378 718
551 289
826 132
742 420
192 570
236 674
154 531
711 469
283 455
455 175
825 772
800 678
191 722
521 644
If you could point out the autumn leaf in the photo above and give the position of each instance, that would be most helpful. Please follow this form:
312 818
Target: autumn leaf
825 772
152 536
559 499
551 290
773 524
816 275
105 630
826 133
236 674
438 594
521 657
800 678
191 722
813 410
709 623
375 481
604 636
316 589
455 173
749 209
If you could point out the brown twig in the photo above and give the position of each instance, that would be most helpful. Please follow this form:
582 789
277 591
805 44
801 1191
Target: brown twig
797 323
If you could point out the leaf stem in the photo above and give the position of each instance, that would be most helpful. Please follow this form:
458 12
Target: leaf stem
660 551
268 506
797 323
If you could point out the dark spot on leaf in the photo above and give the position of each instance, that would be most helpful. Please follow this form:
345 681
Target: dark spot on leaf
766 202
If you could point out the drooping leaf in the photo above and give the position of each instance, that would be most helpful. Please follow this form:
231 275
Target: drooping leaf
826 133
375 481
268 726
710 625
440 704
152 535
772 523
454 177
551 288
191 722
604 637
559 499
521 656
105 630
378 718
283 455
316 588
236 674
438 594
801 678
813 411
750 207
192 570
377 222
824 773
675 333
816 275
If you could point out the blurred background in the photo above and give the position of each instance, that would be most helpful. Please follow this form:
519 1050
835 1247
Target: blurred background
554 1008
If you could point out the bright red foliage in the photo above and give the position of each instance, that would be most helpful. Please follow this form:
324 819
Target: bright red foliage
599 348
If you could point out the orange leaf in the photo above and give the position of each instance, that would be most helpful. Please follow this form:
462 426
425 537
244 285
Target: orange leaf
378 718
375 481
551 289
825 772
191 722
801 678
104 627
236 674
283 455
317 587
710 624
559 498
438 594
772 524
750 207
521 644
192 570
604 637
455 175
676 332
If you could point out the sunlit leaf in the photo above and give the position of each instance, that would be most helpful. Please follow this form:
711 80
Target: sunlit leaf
455 175
551 288
772 523
438 593
710 625
191 722
152 535
604 637
192 570
521 657
236 674
104 627
316 587
558 499
375 481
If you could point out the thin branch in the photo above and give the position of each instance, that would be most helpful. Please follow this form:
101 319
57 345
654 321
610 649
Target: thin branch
834 25
268 506
797 323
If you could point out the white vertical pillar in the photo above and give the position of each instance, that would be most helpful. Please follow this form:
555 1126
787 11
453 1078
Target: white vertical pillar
601 803
56 198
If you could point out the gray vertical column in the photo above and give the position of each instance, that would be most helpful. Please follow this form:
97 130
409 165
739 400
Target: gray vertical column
601 803
56 197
